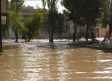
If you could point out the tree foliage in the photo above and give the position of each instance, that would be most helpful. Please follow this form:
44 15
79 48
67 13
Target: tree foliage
105 10
15 7
92 11
26 10
5 28
74 8
55 23
83 11
33 25
106 18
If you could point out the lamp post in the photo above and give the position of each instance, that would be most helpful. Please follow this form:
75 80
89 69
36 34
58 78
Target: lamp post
0 30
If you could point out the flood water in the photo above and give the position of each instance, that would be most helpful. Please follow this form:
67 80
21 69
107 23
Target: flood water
58 61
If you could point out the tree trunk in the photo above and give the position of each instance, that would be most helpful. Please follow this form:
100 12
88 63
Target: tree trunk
87 31
90 29
69 29
75 30
110 29
106 36
29 35
29 39
51 36
16 34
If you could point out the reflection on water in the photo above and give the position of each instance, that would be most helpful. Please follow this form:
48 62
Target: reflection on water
58 61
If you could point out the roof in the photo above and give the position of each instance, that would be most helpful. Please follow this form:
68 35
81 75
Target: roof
26 13
29 13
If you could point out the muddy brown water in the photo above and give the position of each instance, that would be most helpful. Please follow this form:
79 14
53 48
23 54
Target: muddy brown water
56 61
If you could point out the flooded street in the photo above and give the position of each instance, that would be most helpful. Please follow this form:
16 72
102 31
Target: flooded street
58 61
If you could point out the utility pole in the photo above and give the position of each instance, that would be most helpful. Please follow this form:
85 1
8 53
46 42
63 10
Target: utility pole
0 30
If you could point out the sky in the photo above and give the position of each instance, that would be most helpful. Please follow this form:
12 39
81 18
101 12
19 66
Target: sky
39 3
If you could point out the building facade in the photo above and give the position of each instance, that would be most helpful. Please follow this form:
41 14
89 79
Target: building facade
3 12
81 31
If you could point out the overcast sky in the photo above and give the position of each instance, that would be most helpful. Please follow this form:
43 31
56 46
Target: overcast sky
39 3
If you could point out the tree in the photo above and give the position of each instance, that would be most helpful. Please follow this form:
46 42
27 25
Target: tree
26 10
74 8
106 18
55 22
5 28
92 11
86 10
33 25
109 19
15 7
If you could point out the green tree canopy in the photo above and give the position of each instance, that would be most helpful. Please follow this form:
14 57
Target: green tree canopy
33 25
15 7
26 10
74 8
106 16
5 28
84 11
55 23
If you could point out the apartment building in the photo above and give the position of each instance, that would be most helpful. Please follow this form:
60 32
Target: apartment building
3 12
81 31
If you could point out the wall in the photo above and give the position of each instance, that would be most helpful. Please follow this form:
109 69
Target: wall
70 31
3 12
3 6
102 31
12 35
45 35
